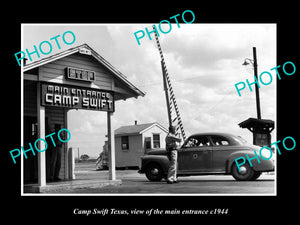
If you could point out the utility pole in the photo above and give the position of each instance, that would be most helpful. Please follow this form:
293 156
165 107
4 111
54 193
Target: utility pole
258 126
256 86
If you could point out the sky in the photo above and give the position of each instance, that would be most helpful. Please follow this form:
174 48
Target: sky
204 62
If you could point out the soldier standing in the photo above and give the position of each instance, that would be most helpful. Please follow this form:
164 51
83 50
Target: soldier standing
171 148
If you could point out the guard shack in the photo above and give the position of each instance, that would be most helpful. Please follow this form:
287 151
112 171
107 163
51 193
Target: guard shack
261 130
78 78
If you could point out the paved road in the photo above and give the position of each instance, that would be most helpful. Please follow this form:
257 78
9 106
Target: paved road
194 185
134 183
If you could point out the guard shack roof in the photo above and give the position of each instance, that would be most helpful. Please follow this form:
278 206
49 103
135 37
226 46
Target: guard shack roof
257 123
40 70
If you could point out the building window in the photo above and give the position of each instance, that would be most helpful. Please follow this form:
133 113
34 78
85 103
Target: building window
124 142
148 143
156 141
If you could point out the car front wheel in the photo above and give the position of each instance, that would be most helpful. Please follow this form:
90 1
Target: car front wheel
244 174
154 172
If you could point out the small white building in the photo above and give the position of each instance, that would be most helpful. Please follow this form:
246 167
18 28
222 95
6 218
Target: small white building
131 142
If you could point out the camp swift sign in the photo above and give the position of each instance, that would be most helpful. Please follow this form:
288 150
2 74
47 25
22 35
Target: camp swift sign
76 97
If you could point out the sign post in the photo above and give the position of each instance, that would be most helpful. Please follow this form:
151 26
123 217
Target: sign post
111 148
41 134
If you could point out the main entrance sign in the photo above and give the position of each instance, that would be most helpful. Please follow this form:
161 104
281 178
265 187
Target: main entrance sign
76 97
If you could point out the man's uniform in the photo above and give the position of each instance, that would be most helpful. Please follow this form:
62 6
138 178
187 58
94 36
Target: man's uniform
171 147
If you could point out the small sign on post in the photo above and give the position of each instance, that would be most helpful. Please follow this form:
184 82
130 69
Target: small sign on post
80 74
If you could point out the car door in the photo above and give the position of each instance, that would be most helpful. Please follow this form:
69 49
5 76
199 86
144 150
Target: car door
222 148
195 155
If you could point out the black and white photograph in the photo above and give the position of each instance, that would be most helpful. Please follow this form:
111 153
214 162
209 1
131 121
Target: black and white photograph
118 101
169 116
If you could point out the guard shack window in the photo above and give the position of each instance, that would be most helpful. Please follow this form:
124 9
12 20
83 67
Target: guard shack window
124 142
156 141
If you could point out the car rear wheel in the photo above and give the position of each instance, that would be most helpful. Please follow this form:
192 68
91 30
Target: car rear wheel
244 174
154 172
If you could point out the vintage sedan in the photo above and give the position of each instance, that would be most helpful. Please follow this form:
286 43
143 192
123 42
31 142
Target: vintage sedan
208 153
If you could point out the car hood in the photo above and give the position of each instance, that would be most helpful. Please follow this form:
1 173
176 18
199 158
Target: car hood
160 151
